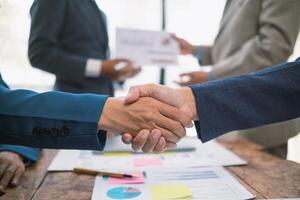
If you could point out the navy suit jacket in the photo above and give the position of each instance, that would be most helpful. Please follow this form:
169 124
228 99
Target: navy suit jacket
264 97
63 35
55 120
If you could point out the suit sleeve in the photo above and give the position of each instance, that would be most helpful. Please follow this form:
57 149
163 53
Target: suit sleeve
278 29
248 101
51 120
44 52
29 155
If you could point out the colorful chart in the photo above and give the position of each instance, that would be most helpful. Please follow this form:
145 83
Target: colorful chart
123 193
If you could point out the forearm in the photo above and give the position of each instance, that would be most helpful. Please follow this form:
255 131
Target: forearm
50 58
45 49
51 120
248 101
278 27
204 55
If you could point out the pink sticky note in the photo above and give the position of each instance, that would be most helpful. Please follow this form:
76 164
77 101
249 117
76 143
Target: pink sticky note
142 162
136 180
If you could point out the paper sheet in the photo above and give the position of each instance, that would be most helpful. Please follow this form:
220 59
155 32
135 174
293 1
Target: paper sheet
209 183
208 154
205 183
147 162
147 47
104 191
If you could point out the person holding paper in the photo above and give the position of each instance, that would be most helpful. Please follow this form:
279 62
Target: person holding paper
264 97
253 35
69 38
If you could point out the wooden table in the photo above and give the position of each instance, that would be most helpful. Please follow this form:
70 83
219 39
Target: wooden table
265 176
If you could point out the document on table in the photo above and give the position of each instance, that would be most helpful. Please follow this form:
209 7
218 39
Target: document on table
207 154
147 47
209 183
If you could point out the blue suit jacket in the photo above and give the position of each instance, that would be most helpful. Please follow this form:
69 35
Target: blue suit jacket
28 153
268 96
63 35
51 119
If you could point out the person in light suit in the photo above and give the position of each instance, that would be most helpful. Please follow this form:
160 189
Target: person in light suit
69 39
253 35
268 96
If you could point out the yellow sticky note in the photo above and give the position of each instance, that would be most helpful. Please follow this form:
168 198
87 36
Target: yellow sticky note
116 154
170 191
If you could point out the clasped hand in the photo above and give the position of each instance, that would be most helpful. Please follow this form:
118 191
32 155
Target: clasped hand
151 117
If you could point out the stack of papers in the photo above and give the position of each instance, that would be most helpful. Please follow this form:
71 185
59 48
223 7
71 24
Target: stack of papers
208 154
209 183
177 175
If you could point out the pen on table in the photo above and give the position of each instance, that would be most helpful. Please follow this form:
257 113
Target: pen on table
103 173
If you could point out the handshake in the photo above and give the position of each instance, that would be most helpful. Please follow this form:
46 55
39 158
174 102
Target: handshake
151 117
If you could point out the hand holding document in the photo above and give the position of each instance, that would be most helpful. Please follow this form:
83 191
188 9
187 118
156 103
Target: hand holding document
147 47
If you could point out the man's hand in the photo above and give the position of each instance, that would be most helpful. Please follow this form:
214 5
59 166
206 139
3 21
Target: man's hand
11 169
193 78
182 98
144 113
109 69
147 141
186 48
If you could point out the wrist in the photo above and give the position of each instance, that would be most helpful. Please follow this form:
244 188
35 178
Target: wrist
193 50
189 101
103 68
108 120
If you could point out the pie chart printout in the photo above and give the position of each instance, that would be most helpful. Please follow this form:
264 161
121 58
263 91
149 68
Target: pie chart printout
123 193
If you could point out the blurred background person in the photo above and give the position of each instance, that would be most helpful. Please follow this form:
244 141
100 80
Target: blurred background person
252 35
69 39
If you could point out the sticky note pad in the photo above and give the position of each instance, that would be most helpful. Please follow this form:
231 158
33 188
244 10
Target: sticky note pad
170 191
116 154
135 180
144 162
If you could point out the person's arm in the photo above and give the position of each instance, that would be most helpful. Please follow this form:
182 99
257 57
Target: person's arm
279 23
71 121
202 53
268 96
30 155
51 119
44 52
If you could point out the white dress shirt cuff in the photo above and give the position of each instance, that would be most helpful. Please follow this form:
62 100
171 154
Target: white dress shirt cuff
93 68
